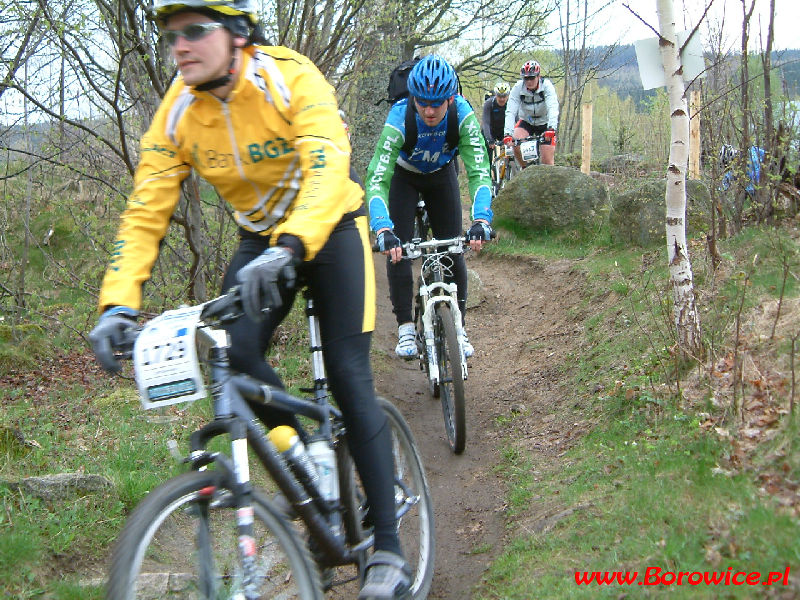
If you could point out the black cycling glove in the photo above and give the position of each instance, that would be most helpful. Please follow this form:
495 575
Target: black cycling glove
109 334
480 230
387 240
262 279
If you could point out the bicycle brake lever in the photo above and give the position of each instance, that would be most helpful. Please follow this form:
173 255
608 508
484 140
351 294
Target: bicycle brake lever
224 309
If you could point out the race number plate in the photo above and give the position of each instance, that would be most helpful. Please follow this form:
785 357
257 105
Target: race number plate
165 359
529 151
509 152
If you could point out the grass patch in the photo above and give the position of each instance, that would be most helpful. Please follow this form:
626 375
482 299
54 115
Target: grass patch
80 420
651 486
516 240
652 496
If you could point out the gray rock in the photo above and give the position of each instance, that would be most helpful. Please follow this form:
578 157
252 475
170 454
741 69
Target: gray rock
552 198
474 289
61 486
622 163
637 213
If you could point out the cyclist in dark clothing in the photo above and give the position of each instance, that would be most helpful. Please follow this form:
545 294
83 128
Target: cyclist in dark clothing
494 115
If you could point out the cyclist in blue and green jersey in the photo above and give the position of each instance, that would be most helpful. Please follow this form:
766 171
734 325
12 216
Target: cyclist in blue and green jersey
397 176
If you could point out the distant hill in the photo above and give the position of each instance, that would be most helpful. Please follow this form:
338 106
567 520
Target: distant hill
622 72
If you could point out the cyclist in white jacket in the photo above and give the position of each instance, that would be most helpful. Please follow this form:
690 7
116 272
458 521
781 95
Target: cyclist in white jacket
532 110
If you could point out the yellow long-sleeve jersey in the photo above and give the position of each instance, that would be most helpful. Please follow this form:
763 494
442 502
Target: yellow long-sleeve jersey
275 149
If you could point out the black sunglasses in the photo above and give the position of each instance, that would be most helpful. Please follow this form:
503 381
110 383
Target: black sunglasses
191 33
433 103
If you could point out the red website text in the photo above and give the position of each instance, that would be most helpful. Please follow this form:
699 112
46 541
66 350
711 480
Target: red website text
657 576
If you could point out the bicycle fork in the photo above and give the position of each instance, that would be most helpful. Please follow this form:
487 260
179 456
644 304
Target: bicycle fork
244 512
432 295
238 467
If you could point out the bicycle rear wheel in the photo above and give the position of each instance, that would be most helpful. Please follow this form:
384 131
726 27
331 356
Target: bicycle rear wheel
181 542
413 503
451 378
422 225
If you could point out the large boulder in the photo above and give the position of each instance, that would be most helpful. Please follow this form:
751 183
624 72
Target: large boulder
552 198
638 211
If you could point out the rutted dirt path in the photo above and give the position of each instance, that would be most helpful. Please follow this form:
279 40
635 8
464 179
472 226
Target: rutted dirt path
522 329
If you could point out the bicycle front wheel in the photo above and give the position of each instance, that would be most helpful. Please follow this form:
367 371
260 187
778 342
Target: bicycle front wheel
497 175
181 542
412 502
451 378
511 169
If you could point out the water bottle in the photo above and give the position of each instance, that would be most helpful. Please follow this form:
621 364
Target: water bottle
294 451
324 459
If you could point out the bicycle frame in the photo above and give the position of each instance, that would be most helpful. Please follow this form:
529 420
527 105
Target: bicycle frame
233 417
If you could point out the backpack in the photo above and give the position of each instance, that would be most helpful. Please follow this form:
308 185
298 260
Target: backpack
397 89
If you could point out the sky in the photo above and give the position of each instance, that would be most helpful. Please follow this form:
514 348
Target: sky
620 25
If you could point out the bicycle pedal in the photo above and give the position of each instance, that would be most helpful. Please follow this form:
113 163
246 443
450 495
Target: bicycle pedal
223 499
326 578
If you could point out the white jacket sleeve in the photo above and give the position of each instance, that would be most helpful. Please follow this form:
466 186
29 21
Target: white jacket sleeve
551 101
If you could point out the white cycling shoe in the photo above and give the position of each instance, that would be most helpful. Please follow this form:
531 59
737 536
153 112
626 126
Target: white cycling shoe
388 578
468 349
407 341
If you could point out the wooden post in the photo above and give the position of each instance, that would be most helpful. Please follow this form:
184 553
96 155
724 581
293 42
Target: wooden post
586 138
694 134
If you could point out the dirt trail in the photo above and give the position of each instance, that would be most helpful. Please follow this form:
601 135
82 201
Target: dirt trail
522 331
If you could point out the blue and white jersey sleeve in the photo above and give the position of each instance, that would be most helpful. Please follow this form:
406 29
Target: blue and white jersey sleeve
381 167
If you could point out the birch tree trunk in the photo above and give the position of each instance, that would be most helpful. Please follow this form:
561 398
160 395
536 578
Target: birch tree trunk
687 319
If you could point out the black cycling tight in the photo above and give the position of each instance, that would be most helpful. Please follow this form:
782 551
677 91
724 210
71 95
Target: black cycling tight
340 281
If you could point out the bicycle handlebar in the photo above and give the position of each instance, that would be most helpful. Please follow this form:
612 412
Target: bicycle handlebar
540 138
224 309
462 240
434 243
220 310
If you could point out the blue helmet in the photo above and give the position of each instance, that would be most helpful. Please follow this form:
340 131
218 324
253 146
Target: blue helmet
432 78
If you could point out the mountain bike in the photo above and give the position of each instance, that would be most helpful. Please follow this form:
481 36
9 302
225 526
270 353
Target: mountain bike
503 165
439 331
209 533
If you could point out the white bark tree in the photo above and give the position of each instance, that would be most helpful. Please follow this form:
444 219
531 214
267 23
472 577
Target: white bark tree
687 319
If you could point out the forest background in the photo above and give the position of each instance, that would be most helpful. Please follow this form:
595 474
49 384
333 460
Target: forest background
81 79
88 74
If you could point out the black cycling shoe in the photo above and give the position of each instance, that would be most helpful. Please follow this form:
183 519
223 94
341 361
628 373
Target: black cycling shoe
388 578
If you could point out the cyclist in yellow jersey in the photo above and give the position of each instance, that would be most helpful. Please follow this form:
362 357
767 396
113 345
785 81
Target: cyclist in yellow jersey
260 123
